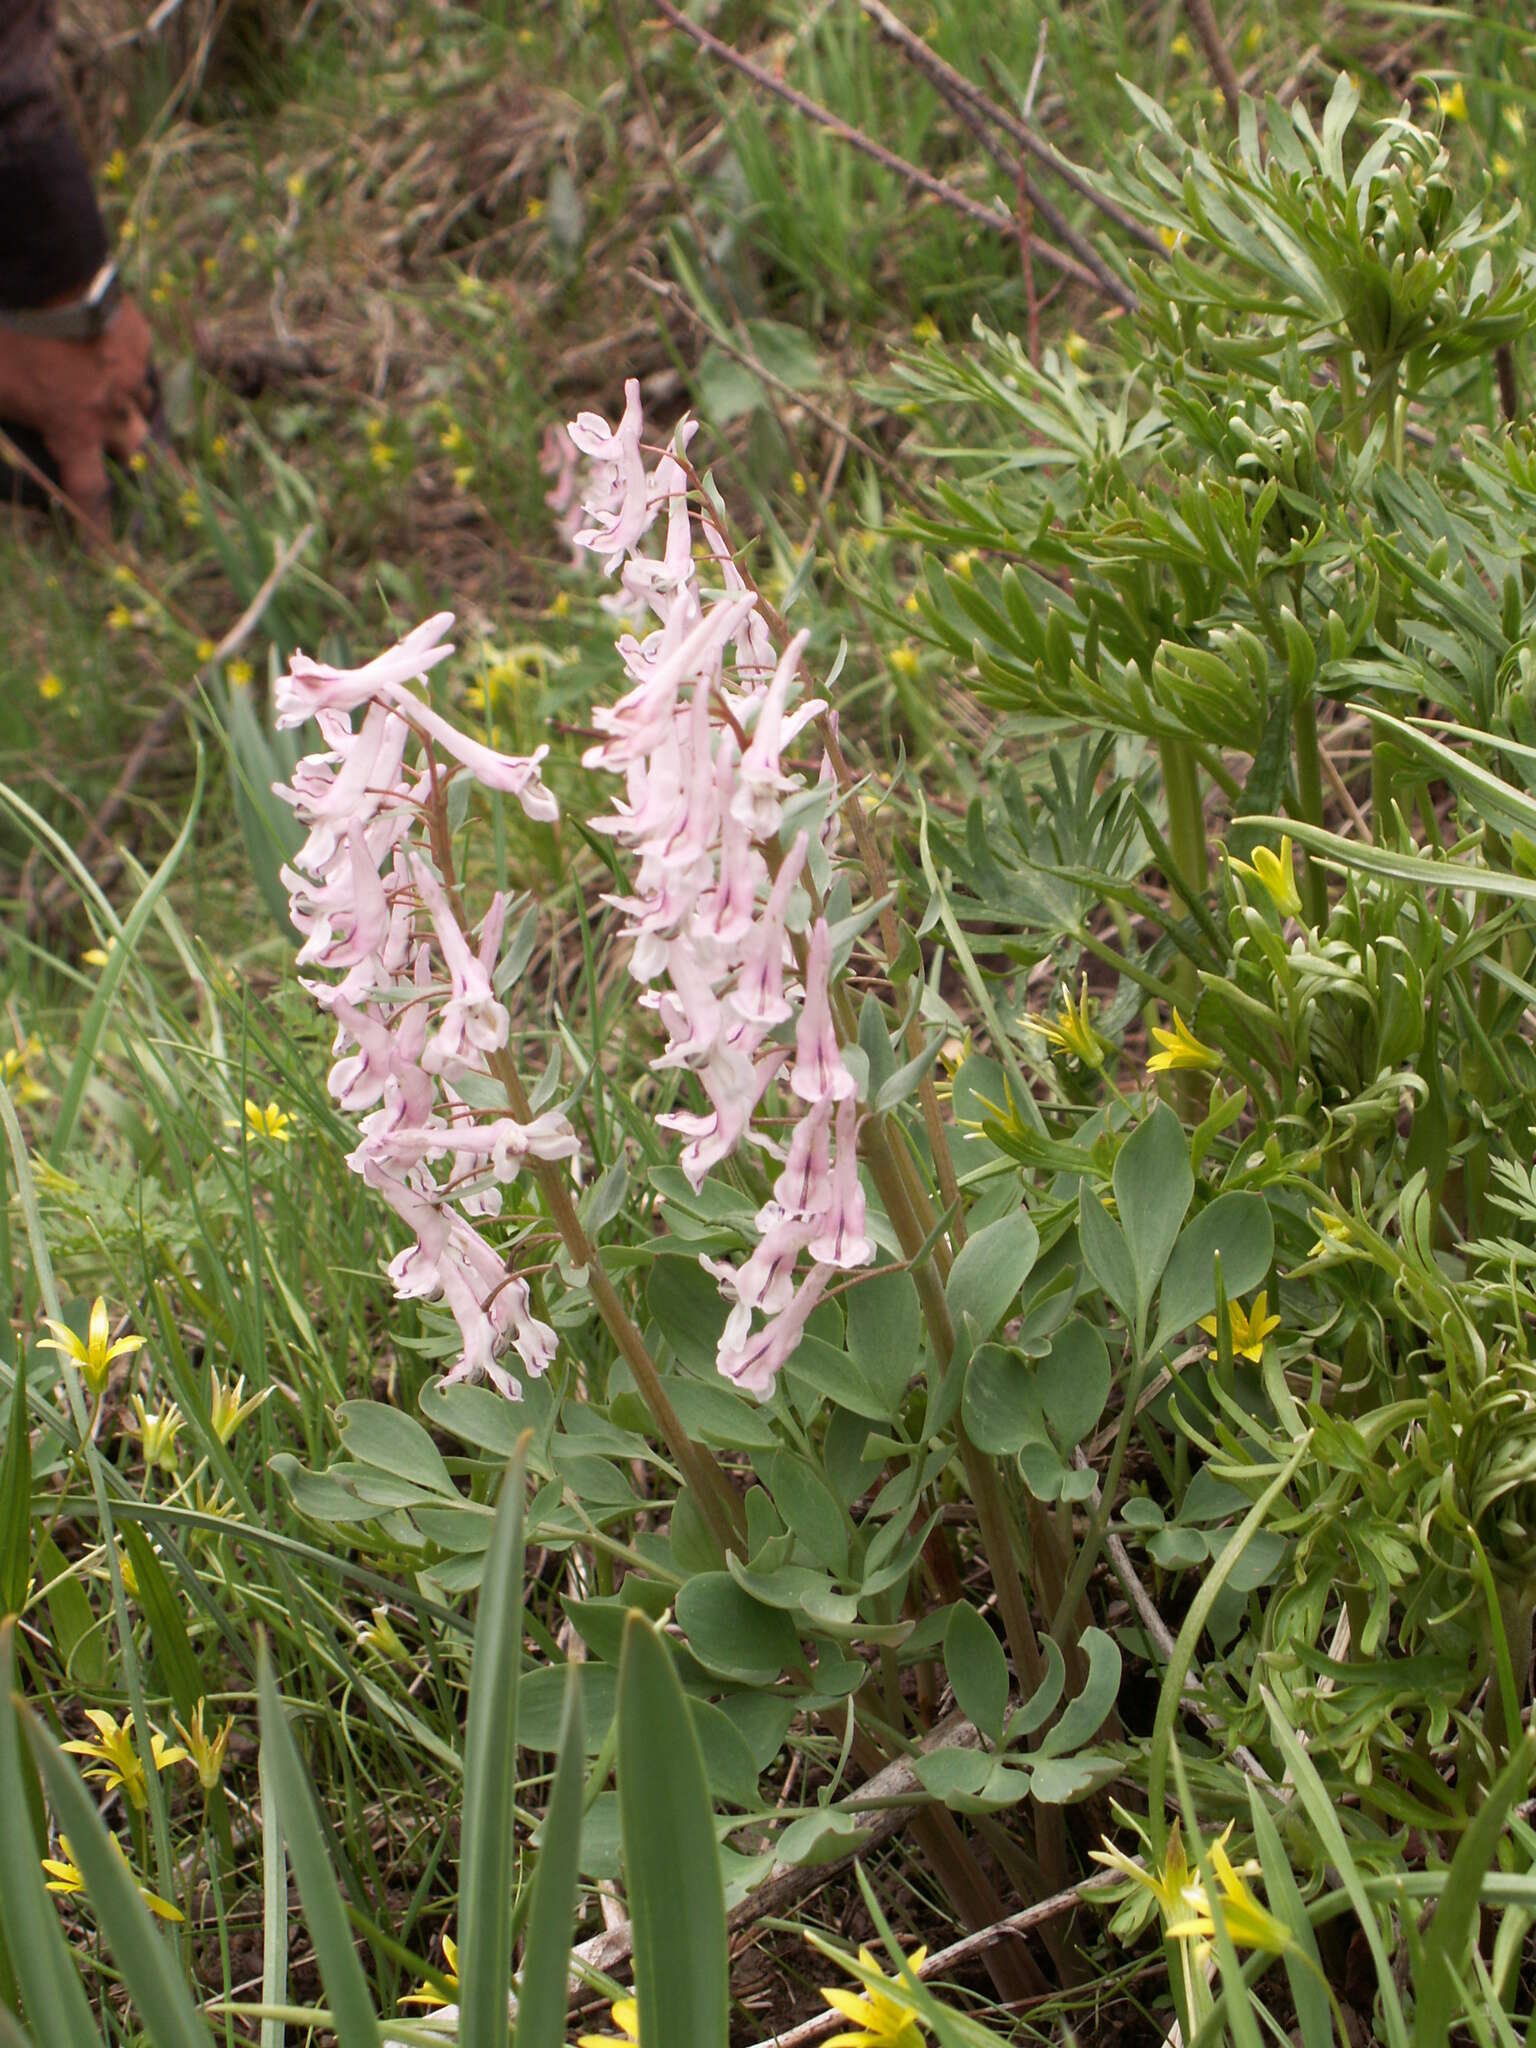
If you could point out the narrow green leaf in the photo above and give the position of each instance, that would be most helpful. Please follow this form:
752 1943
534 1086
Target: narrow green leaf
149 1965
904 1081
94 1023
1443 1954
671 1865
1236 1990
274 1912
346 1987
545 1977
55 2000
16 1499
1421 870
1500 802
173 1654
1189 1635
486 1859
1320 1810
1309 1992
78 1633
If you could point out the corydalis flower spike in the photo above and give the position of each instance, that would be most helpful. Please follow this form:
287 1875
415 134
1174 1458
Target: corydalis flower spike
373 909
702 751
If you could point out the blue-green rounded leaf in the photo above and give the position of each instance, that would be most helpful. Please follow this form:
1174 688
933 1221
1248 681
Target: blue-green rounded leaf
978 1670
989 1270
1240 1229
732 1634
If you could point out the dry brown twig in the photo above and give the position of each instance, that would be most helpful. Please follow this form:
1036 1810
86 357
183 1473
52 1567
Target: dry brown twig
944 1960
1203 22
955 85
884 1798
739 352
924 181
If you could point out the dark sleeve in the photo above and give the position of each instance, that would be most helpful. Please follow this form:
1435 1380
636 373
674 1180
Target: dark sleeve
52 240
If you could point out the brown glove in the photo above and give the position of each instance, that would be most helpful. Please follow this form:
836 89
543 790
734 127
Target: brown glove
87 399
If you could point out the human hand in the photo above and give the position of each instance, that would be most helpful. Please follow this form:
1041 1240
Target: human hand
88 399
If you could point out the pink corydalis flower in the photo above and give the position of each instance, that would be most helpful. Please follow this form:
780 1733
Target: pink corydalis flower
621 506
472 1020
753 1361
311 687
818 1073
841 1239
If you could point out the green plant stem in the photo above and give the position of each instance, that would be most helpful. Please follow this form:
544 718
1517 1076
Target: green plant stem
717 1499
1351 425
1309 791
1013 1970
1093 1542
996 1525
890 937
1516 1604
1186 819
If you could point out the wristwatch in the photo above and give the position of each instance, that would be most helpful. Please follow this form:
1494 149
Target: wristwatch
83 319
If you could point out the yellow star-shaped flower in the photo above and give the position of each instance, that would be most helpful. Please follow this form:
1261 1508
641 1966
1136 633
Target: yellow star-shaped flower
1248 1328
429 1995
626 2017
1249 1924
878 2020
117 1761
1167 1885
1276 875
1180 1050
95 1356
64 1877
1071 1031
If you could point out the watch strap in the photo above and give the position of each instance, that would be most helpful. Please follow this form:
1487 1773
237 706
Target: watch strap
82 319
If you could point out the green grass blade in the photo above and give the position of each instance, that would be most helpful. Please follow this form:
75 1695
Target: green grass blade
94 1023
42 1266
490 1776
1308 1991
671 1864
1320 1811
1236 1992
173 1656
50 1988
149 1966
1189 1635
544 1983
274 1915
1423 871
1435 1984
346 1987
16 1499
